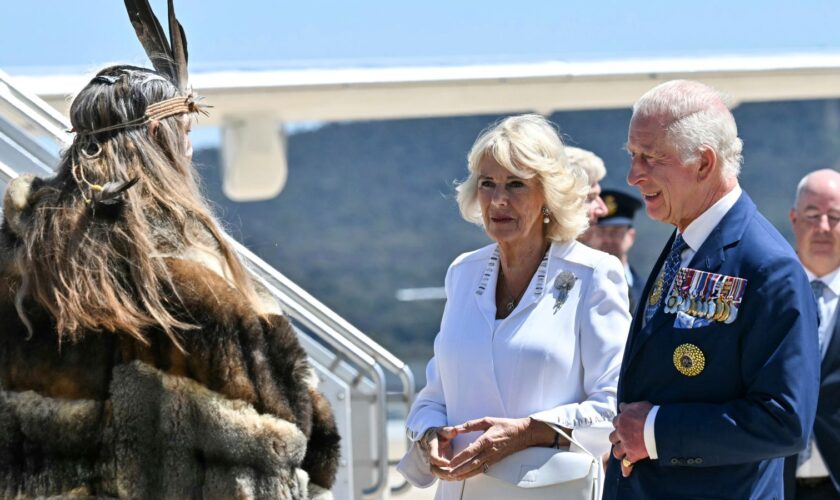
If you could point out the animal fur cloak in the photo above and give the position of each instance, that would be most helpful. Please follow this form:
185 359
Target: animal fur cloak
235 415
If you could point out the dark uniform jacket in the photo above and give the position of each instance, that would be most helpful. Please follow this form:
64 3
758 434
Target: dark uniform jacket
827 424
723 433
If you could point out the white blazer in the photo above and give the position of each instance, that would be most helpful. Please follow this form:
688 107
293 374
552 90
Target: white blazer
557 365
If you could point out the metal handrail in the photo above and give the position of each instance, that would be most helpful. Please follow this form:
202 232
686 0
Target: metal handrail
46 118
304 307
394 365
7 171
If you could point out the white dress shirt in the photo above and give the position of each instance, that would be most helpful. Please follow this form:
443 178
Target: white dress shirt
694 236
827 306
555 361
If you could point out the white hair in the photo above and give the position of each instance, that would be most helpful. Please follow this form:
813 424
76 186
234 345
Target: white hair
529 146
591 163
695 116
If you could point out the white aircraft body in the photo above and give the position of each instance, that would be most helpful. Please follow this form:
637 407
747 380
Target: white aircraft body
252 106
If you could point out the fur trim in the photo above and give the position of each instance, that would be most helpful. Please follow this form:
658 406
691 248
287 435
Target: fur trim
158 436
234 415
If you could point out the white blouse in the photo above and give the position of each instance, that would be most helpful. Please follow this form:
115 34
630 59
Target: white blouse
552 359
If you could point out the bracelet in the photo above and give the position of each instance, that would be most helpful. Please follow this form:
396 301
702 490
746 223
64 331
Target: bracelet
426 437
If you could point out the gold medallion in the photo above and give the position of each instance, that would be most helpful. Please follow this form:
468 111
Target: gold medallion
707 304
656 293
672 302
733 313
692 309
689 360
684 305
727 310
719 310
710 312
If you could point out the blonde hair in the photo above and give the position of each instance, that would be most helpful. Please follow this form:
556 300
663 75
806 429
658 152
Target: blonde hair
591 163
528 146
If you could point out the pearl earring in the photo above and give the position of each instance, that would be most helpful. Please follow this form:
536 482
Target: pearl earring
546 213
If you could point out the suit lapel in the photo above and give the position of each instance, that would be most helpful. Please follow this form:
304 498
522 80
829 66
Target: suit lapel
637 333
709 257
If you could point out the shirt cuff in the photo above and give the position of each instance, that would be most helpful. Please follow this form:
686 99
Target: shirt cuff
650 438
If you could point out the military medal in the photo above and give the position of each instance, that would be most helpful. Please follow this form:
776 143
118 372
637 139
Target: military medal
656 293
719 309
733 313
674 298
689 360
738 289
696 294
713 293
724 311
703 310
701 294
723 299
701 306
688 295
710 309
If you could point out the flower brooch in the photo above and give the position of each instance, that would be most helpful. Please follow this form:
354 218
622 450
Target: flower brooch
563 283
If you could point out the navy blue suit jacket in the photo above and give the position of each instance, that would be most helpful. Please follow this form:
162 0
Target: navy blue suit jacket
723 433
827 424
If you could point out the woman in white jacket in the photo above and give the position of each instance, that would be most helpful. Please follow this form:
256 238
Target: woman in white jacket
535 324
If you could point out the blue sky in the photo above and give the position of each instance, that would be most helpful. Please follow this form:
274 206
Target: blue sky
45 35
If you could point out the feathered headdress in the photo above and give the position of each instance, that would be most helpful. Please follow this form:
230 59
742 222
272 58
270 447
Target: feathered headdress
169 57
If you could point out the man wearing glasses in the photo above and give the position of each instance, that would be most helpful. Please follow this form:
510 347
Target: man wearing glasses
815 473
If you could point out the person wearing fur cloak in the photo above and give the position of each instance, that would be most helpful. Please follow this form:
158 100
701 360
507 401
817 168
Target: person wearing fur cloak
137 357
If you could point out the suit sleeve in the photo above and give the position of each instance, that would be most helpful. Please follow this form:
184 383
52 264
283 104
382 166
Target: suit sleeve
602 333
780 371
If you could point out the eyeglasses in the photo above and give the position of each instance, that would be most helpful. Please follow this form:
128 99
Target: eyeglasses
815 218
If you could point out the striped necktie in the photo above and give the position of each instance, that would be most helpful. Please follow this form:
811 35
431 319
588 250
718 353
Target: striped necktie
818 287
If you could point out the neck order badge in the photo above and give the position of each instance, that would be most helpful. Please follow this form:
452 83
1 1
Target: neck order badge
669 270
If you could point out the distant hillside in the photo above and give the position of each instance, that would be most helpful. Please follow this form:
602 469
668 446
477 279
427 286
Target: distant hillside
369 207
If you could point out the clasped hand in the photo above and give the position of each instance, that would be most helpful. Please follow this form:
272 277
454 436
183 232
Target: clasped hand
628 438
501 437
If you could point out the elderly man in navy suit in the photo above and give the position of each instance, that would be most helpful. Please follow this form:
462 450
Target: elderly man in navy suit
720 373
815 473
